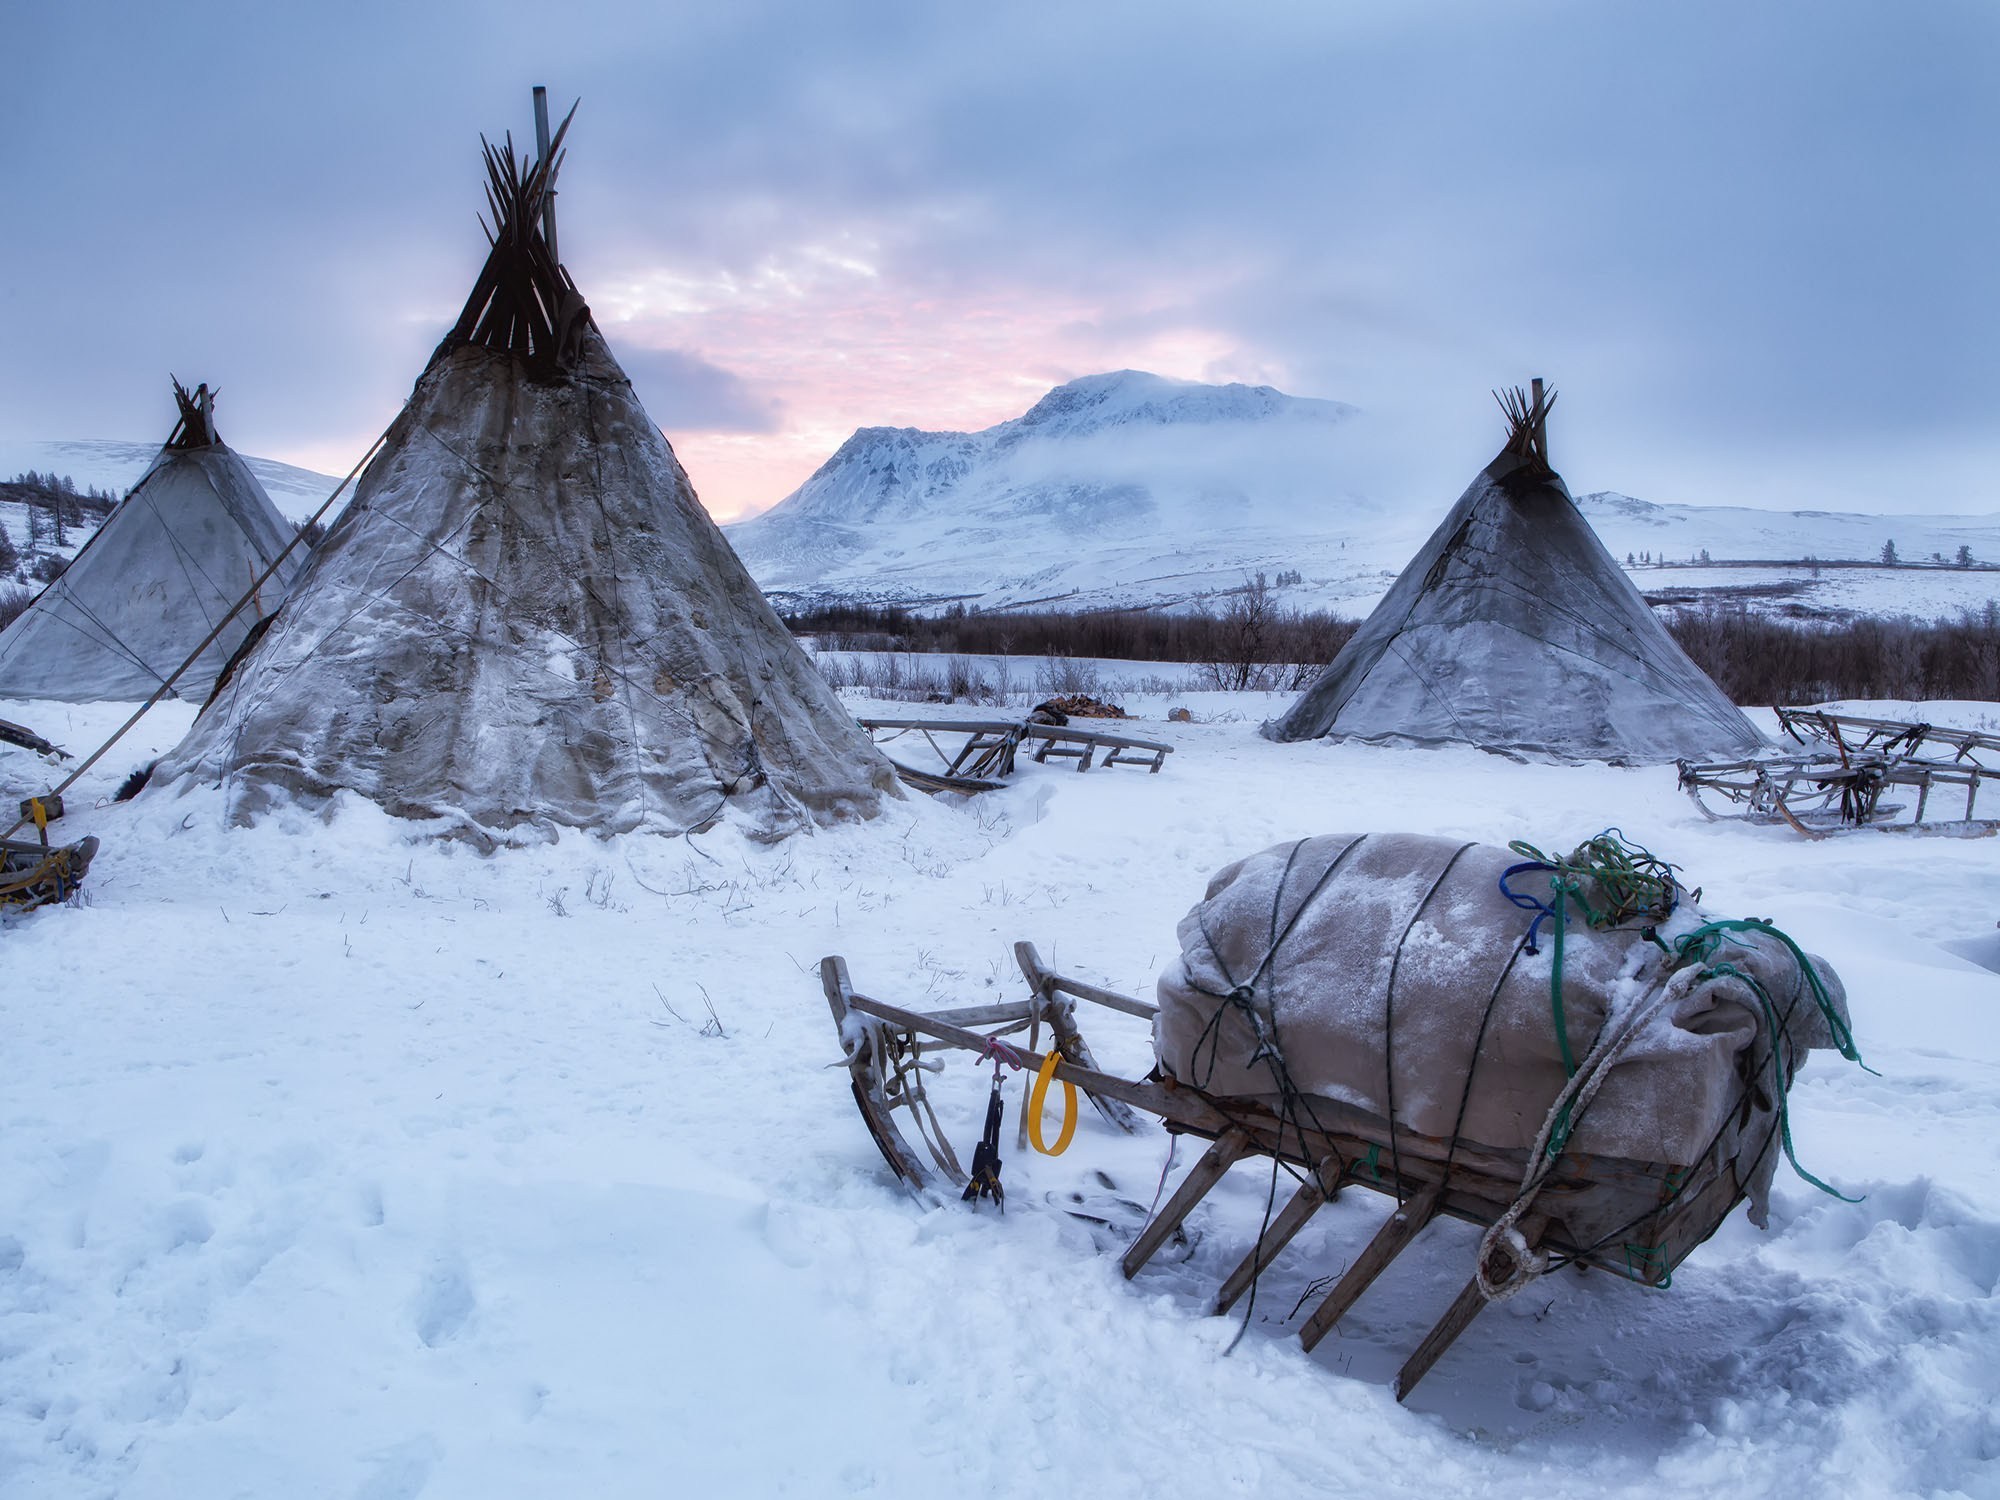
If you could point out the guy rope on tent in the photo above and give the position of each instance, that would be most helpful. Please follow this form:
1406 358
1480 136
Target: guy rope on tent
1599 1085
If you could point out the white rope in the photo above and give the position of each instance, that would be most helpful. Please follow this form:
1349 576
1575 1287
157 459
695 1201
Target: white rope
1525 1263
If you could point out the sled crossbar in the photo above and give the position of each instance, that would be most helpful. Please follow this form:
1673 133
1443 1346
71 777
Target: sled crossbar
1851 734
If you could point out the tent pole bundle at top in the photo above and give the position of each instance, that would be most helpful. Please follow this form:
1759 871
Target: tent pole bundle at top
525 620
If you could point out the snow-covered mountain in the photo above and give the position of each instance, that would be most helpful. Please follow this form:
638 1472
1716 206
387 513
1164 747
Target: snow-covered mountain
1114 482
116 466
1127 488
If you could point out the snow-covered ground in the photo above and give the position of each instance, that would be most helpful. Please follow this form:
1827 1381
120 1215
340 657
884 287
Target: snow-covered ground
340 1162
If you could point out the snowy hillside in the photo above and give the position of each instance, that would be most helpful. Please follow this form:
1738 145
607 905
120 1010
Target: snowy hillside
1128 488
117 466
1102 488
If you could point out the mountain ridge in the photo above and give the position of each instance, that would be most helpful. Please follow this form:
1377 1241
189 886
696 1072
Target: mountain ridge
1130 489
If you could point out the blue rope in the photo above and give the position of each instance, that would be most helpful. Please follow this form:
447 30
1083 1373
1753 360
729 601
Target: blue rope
1526 902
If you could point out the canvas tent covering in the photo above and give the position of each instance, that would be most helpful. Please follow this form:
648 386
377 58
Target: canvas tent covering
161 572
1514 630
525 618
1390 972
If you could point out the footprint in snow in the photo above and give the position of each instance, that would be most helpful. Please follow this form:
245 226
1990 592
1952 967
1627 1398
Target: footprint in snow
443 1304
401 1472
186 1222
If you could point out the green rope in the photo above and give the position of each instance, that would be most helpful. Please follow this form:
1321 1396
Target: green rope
1783 1105
1643 1261
1561 889
1700 945
1630 881
1631 884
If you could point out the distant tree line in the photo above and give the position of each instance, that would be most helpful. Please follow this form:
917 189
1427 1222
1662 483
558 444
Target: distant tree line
1888 557
1250 642
1247 640
1758 659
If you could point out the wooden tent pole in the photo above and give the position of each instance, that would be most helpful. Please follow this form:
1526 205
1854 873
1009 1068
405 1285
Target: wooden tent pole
549 192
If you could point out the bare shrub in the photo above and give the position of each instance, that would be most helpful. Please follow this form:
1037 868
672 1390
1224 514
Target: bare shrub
1758 659
14 601
1298 642
1066 677
908 677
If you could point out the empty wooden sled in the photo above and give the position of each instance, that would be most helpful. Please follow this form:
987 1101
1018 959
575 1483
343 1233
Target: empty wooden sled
989 749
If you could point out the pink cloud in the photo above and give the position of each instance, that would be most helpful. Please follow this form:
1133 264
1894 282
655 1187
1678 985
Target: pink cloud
838 344
834 343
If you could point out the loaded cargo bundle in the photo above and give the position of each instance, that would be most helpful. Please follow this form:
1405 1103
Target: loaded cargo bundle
1397 974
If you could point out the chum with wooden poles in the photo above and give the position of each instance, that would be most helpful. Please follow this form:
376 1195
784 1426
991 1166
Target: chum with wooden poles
525 620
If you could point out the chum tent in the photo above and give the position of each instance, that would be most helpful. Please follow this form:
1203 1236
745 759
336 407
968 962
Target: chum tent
1513 629
165 568
525 619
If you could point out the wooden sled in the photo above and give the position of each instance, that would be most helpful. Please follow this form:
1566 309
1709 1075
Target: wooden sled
1665 1209
1826 793
990 748
35 874
1849 764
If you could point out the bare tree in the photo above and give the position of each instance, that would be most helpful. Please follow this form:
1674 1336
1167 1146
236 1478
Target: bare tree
1242 646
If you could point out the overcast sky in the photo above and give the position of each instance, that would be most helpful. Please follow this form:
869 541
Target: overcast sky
1754 245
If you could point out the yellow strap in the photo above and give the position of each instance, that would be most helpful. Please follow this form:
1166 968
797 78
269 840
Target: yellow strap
40 814
1039 1097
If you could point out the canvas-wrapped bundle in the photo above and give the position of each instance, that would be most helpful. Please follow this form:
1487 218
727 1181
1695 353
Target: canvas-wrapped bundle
1394 974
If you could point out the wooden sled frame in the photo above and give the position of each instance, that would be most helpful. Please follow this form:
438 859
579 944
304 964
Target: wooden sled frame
1852 734
991 746
1818 794
1672 1208
1850 762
